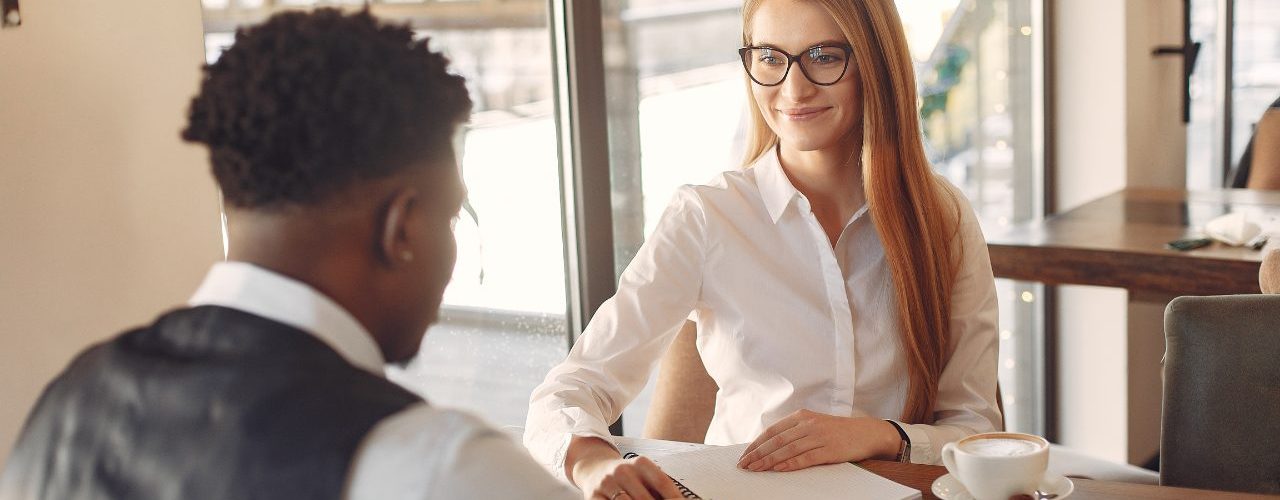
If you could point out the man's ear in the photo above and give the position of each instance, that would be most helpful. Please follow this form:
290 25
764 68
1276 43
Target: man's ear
400 228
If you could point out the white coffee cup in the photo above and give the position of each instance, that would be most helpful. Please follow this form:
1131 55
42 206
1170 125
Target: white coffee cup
998 465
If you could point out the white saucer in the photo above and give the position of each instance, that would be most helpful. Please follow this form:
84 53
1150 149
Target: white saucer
949 488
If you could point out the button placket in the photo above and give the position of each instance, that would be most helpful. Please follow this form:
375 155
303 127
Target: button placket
851 349
841 315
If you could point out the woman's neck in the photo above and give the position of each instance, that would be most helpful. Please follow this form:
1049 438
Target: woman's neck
830 178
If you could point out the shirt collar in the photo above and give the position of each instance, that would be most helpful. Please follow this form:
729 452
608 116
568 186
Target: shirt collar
258 291
775 188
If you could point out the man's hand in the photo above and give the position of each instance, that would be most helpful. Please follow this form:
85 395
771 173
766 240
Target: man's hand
806 438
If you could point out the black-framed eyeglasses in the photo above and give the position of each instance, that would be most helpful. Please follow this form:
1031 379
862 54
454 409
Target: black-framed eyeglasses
821 64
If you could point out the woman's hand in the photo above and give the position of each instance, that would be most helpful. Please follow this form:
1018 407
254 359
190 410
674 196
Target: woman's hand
625 479
599 472
806 438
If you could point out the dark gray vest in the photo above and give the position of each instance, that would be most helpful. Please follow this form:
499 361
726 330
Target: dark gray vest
207 403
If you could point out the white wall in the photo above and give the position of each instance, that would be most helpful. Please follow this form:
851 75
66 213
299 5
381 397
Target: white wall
1090 90
1117 123
106 218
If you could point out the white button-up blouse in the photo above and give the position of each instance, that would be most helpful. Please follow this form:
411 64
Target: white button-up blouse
786 322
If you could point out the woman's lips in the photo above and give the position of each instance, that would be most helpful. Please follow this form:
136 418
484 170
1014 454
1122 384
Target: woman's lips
802 114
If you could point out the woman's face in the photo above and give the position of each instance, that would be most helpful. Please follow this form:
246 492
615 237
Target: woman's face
805 116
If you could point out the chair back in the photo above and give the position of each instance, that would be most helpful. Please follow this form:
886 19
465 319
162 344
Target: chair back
1221 423
684 398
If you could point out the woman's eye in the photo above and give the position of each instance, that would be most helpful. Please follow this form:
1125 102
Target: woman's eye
769 59
823 58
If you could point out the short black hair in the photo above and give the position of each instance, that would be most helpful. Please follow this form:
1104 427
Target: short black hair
306 103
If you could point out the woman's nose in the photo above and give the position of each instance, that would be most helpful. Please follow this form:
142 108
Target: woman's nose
796 86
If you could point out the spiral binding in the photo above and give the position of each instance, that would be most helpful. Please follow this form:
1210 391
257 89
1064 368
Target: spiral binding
684 490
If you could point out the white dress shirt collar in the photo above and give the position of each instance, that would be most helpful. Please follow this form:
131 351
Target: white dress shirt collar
778 192
258 291
775 188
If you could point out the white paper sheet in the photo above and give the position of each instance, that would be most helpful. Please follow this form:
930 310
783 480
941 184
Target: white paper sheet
713 474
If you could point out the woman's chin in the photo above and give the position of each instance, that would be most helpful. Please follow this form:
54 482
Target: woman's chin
807 143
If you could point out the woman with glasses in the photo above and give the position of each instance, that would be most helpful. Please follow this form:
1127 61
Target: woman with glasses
845 302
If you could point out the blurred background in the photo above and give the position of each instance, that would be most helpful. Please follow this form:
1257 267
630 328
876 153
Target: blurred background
1030 106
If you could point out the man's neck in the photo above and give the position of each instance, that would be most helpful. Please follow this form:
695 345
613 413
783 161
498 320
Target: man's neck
323 254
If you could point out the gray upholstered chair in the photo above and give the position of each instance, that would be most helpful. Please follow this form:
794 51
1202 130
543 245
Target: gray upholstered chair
684 402
1221 427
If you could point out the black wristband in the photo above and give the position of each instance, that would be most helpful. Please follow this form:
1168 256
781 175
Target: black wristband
901 433
905 454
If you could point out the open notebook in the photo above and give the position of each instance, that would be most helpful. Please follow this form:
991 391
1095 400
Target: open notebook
711 473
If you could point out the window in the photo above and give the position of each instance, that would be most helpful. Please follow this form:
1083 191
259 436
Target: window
977 64
502 326
1245 83
668 57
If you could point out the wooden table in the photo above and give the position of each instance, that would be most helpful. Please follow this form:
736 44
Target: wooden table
921 477
1118 241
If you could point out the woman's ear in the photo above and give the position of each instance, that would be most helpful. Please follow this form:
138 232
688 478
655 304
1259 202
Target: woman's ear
396 239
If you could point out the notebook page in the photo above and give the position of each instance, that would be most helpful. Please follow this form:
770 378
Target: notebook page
713 474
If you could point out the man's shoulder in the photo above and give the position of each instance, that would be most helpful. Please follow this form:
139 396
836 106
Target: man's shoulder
432 452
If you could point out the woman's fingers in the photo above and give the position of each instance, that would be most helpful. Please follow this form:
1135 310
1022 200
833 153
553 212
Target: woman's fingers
805 439
788 451
607 487
657 480
752 458
639 478
802 461
773 430
632 482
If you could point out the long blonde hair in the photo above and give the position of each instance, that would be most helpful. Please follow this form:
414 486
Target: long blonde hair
915 214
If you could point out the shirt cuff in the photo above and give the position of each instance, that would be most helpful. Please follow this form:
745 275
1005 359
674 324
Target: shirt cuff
547 433
562 450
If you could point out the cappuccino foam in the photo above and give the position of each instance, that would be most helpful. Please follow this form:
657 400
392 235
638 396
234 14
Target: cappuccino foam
1000 447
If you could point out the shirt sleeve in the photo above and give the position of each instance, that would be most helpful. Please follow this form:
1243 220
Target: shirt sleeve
615 355
427 453
967 388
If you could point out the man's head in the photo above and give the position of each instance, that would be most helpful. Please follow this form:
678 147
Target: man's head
330 136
